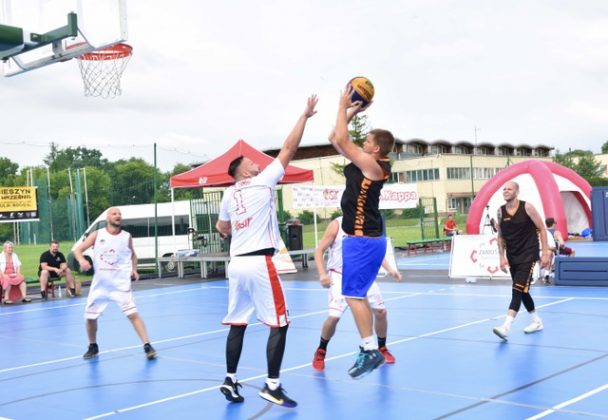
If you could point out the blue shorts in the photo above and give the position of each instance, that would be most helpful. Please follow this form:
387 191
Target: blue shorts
361 258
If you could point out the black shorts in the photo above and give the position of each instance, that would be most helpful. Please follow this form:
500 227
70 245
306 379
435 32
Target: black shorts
521 274
52 274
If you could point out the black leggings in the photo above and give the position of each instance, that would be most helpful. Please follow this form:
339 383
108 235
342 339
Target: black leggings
275 349
517 297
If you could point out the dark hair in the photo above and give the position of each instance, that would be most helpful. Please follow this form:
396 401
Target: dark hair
54 242
549 221
234 165
384 139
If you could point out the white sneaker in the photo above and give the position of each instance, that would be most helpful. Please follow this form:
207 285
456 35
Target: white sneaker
501 331
534 327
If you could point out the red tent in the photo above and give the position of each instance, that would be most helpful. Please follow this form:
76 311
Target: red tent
215 172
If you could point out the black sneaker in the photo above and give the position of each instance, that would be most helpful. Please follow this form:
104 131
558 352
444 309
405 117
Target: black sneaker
92 352
150 352
277 397
366 362
44 295
231 390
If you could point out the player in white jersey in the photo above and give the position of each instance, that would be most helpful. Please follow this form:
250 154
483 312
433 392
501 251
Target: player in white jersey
115 265
330 276
248 213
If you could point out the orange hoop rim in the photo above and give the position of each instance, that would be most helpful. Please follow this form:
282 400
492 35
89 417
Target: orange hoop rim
113 52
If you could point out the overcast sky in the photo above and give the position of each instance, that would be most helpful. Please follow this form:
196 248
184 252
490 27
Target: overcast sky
207 73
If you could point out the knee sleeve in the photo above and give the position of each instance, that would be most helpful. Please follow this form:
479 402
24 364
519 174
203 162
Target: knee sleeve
516 297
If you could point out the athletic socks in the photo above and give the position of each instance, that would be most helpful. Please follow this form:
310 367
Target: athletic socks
273 383
535 317
508 321
381 342
323 344
367 343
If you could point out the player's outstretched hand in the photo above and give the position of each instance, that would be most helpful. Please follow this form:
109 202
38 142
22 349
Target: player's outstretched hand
310 106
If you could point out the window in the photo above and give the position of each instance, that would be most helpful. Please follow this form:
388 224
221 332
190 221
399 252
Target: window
144 227
422 175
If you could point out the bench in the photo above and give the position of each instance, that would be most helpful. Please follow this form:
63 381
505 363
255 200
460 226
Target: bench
429 245
223 257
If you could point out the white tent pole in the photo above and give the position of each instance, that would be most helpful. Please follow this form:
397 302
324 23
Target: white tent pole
173 218
316 233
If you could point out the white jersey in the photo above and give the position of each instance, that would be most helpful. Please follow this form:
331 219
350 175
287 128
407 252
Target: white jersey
334 260
112 259
249 206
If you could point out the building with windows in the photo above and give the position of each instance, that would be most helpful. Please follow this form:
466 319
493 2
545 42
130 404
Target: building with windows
452 172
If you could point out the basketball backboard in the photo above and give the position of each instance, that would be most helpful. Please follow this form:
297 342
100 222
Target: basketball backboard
51 33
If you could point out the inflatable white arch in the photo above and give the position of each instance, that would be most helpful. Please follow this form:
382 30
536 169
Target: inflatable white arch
555 191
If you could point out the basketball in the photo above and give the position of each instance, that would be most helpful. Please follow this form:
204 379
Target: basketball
363 90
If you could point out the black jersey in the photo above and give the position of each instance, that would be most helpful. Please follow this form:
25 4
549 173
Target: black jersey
520 235
360 201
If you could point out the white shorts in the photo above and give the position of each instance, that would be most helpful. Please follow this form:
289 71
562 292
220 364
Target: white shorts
100 296
254 285
337 302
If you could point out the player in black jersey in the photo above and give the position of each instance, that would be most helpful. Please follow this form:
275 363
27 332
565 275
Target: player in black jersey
519 226
364 247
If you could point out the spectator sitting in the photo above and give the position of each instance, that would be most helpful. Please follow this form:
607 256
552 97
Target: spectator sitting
10 274
560 243
450 228
53 265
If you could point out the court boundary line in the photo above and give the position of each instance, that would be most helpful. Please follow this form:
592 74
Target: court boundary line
293 368
569 402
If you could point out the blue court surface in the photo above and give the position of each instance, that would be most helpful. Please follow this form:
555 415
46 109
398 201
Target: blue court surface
449 363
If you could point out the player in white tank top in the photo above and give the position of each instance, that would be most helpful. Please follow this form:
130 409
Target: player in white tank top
248 213
115 265
330 276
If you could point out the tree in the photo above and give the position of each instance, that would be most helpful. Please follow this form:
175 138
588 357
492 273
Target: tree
580 161
133 182
358 132
8 172
79 157
182 193
605 147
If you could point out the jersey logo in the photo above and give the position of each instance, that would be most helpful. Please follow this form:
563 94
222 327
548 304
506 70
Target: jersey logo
242 225
109 257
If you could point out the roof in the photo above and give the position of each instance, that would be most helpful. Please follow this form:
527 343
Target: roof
214 173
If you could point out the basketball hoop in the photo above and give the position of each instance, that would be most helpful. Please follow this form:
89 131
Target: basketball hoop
102 69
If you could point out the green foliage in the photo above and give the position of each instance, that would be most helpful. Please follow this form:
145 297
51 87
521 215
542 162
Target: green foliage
358 129
387 213
78 157
335 214
598 181
306 217
605 147
8 171
132 182
284 215
581 161
412 213
358 132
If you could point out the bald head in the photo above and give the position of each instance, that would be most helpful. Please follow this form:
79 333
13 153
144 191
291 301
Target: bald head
114 217
510 191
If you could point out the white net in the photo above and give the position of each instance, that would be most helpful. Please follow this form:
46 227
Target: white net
102 69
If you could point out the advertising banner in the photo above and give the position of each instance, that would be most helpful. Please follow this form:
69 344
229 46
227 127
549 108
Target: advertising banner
18 204
475 256
392 196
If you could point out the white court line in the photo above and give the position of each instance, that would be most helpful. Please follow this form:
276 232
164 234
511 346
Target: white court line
169 340
207 389
83 301
569 402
